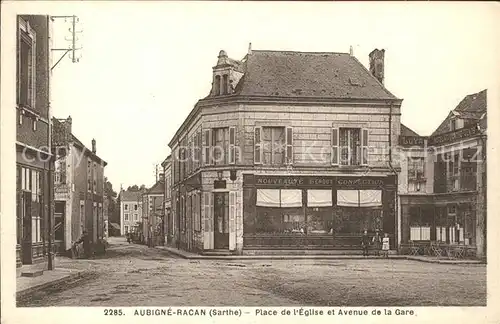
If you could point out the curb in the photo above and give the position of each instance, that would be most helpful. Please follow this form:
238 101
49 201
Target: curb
309 257
80 275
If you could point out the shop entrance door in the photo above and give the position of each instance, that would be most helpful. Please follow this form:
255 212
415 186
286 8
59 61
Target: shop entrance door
221 217
27 227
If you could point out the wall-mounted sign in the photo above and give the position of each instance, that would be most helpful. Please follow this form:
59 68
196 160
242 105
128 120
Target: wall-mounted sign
219 184
412 141
458 135
363 182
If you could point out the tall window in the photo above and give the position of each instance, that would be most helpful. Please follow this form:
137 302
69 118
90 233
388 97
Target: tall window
126 229
125 206
220 150
136 217
94 178
26 65
126 216
353 146
89 176
273 145
453 172
453 125
135 206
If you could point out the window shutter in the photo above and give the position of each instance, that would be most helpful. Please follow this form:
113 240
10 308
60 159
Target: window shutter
232 142
289 145
364 146
207 152
335 146
258 145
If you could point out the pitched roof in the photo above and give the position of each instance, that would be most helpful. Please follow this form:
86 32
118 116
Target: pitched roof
472 106
406 131
130 195
157 188
308 74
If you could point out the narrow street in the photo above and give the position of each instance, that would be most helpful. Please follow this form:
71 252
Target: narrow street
132 275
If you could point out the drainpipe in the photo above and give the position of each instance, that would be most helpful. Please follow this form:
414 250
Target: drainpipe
50 186
392 168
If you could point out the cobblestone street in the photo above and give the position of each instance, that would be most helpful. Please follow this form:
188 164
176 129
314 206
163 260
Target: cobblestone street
132 275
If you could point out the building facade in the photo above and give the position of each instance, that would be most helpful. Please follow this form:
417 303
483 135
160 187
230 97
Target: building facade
442 187
168 225
289 150
34 162
153 213
78 188
131 211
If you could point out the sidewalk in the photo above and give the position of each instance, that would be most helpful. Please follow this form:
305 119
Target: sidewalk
26 286
323 255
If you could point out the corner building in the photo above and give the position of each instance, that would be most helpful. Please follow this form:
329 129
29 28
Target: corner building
290 150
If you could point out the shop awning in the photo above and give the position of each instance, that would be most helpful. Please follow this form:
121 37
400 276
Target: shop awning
359 198
268 197
319 198
279 198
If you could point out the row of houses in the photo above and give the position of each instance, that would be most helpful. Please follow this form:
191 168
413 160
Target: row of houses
306 150
59 180
141 213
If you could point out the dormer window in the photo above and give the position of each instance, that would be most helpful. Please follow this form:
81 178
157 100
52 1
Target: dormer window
217 85
224 84
453 125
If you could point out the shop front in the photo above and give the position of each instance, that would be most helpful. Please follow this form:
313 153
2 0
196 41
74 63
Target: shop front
316 212
441 218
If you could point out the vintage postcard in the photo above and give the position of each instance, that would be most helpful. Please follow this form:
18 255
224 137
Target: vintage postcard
257 161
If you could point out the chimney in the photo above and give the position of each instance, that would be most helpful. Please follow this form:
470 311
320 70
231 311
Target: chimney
377 64
93 146
249 48
351 51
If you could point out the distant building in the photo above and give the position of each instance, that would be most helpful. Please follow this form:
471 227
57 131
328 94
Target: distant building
442 187
78 188
168 228
152 201
289 150
131 210
34 163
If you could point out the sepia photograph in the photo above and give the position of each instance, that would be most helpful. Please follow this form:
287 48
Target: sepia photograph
248 154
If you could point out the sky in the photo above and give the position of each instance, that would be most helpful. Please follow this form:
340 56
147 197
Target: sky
144 66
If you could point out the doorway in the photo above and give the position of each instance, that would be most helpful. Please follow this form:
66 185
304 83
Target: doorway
221 220
27 228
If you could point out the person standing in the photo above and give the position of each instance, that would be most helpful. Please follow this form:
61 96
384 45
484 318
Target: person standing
377 243
365 242
385 245
85 239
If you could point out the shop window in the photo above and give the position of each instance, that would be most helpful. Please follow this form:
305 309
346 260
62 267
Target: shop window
420 223
319 212
26 65
126 228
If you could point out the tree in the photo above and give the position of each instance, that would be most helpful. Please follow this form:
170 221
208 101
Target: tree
113 211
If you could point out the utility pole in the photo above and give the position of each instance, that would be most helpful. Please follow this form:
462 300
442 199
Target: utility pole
73 40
